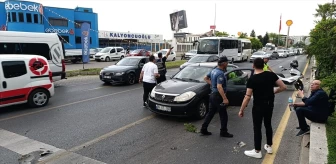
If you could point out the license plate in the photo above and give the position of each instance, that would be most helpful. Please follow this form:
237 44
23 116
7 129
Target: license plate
163 108
107 77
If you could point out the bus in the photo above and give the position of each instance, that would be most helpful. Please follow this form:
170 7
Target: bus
221 46
270 46
245 49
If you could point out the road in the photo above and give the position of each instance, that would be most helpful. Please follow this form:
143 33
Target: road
108 123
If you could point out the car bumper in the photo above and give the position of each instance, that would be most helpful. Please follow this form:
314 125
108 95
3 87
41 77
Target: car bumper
251 59
176 109
113 78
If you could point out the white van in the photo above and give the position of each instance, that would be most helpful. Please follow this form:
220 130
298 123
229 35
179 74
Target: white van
48 45
110 53
25 79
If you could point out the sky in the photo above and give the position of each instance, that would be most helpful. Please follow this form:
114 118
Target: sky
232 16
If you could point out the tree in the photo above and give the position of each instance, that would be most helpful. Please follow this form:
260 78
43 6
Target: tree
256 44
323 47
253 34
221 34
243 35
265 39
260 38
274 37
325 11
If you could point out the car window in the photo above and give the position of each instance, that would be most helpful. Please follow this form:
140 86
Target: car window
13 69
193 73
112 51
119 49
238 77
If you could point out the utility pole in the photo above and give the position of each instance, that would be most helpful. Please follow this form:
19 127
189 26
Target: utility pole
215 20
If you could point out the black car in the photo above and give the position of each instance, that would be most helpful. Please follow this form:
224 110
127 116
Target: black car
187 94
272 54
200 59
127 70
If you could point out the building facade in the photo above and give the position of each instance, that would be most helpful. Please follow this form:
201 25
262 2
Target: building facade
34 17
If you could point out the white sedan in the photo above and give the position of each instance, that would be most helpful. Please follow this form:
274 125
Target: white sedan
171 57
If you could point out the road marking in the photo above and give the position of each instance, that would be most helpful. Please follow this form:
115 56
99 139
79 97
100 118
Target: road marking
100 138
31 149
76 102
94 89
269 158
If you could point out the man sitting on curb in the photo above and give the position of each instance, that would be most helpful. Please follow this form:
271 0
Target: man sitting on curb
315 107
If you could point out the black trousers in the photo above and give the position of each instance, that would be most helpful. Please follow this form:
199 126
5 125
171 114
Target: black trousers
162 78
304 112
214 105
262 112
148 87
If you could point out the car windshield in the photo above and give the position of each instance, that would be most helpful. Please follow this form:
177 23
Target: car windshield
198 59
105 50
135 51
208 46
192 51
128 62
258 53
163 52
193 74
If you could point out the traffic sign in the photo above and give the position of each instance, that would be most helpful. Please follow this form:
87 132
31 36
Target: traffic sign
289 22
212 27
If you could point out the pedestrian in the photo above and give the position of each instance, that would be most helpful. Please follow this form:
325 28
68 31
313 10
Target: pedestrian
261 85
161 63
315 107
148 76
218 100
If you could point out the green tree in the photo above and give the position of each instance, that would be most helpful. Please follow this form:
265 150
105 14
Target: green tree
323 47
256 44
265 39
221 34
300 44
325 11
260 38
243 35
253 34
273 36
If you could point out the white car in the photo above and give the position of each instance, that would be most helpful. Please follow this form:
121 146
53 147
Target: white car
190 54
282 54
259 54
110 53
171 57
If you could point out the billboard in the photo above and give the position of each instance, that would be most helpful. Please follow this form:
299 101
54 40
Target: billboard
178 20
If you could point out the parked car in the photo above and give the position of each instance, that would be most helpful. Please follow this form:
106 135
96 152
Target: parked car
187 94
127 70
139 52
259 54
25 79
171 57
110 53
200 58
94 51
272 54
188 55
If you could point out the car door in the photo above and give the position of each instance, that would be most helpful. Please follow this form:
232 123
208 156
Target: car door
15 84
236 85
113 53
171 56
142 62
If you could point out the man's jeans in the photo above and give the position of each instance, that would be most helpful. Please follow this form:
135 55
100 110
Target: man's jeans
305 112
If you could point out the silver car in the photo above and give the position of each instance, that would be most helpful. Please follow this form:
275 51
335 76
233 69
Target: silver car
190 54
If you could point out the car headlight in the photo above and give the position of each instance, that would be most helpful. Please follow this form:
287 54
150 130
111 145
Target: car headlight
153 92
119 73
185 96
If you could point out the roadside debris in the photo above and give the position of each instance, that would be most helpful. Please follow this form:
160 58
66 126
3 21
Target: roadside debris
34 156
236 149
190 127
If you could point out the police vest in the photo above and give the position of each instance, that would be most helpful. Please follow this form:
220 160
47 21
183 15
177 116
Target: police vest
161 66
265 67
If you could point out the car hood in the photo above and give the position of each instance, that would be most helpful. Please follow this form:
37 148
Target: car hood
100 54
118 68
258 56
174 86
190 54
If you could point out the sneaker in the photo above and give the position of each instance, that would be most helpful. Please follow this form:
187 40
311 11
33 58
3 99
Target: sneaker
227 135
205 132
145 104
303 132
253 153
268 149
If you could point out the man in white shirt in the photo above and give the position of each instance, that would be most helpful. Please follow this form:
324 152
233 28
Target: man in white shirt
148 76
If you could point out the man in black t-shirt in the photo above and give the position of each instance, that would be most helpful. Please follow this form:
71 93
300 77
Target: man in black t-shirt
161 63
261 85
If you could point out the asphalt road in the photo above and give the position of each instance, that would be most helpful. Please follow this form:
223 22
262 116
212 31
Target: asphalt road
108 123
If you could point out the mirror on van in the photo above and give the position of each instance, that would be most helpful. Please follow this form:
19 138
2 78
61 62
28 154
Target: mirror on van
195 43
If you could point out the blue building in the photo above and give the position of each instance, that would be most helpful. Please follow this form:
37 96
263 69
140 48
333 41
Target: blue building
34 17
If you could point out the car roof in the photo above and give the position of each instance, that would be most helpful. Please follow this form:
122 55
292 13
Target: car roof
210 64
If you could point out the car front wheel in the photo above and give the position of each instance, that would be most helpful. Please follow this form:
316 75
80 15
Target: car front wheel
202 110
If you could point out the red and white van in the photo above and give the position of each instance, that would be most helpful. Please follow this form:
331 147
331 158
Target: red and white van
25 79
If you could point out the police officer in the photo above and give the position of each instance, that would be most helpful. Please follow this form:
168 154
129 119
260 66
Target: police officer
266 66
218 99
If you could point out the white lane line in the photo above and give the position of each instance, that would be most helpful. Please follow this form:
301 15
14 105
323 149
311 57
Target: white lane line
28 148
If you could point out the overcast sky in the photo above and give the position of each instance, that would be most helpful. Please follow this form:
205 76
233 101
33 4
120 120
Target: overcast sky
152 17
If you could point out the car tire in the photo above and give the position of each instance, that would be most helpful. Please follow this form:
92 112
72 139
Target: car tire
38 98
107 59
174 59
202 109
131 79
